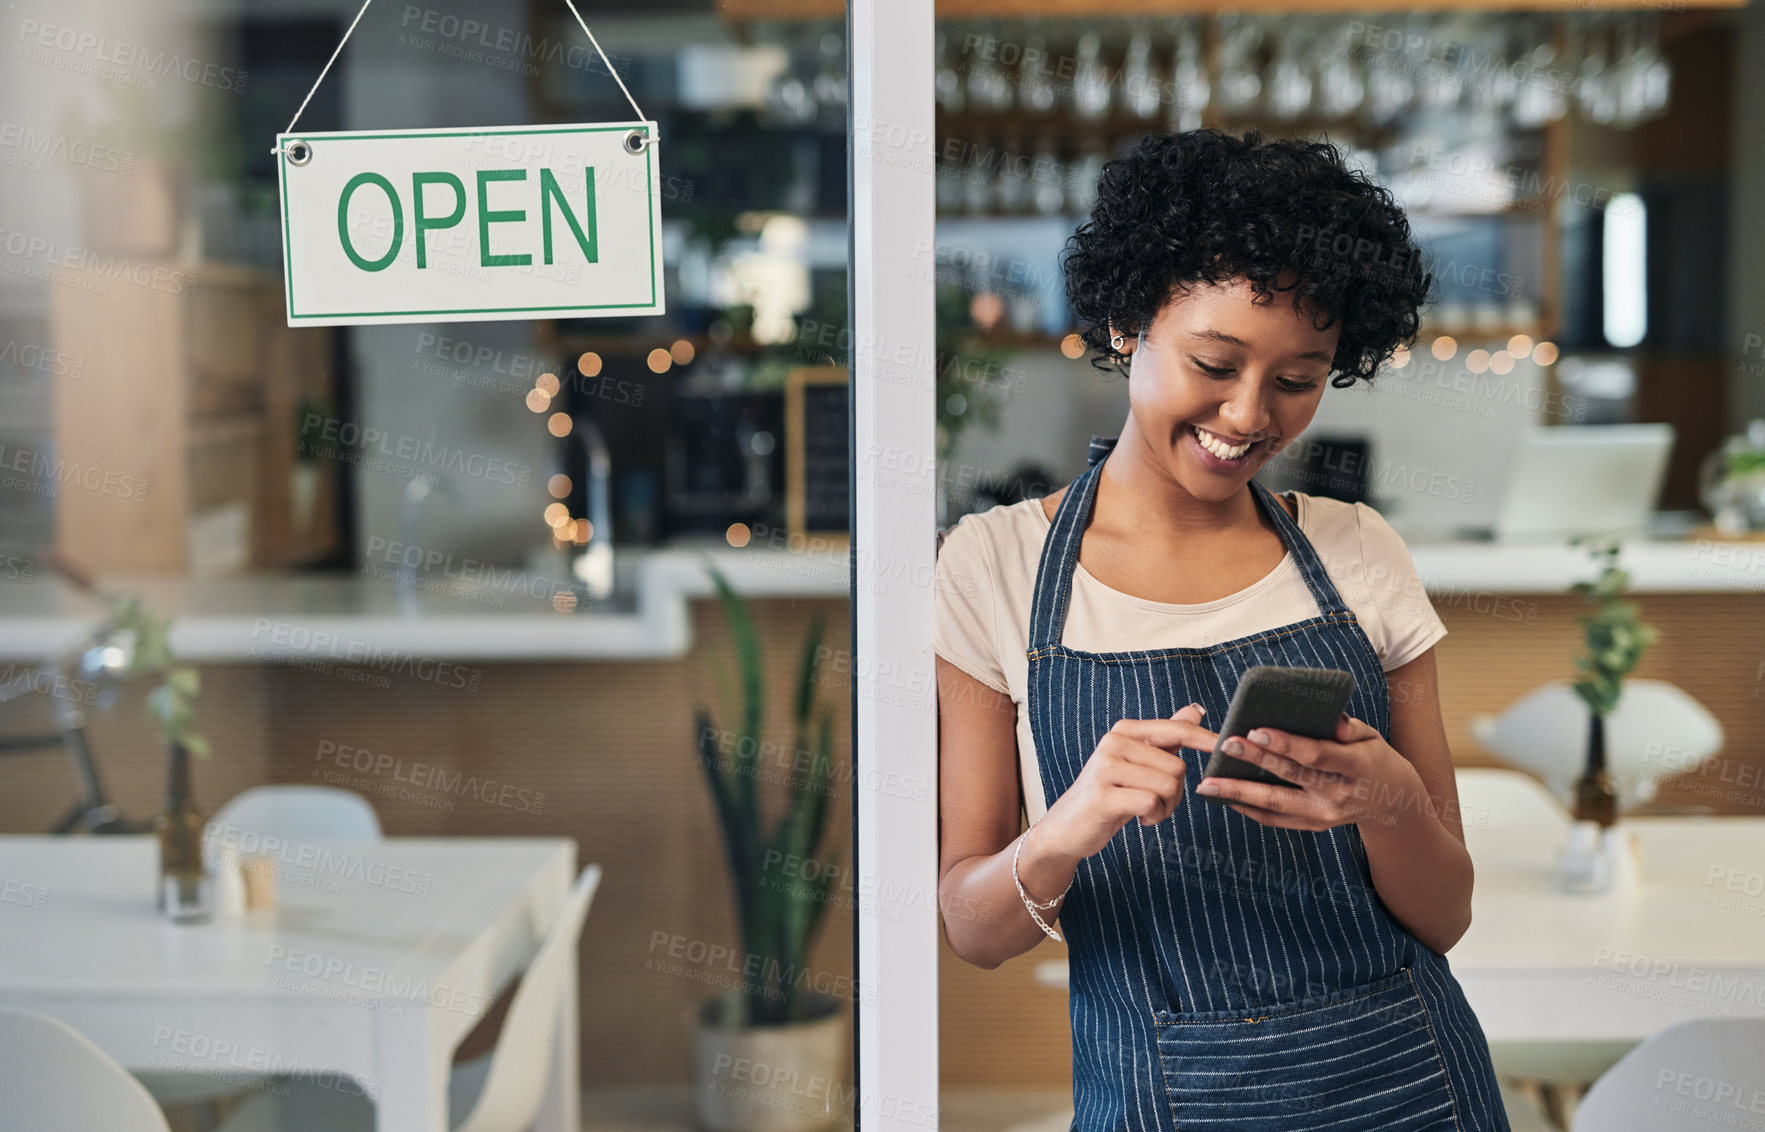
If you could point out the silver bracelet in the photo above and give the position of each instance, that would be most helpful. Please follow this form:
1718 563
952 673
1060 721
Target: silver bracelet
1031 904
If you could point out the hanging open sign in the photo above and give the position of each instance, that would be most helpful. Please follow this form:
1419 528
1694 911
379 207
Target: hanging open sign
471 225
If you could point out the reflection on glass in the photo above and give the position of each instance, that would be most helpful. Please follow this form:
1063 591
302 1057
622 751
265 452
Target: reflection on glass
507 686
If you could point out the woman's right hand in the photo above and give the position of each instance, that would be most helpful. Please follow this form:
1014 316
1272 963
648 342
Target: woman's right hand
1134 772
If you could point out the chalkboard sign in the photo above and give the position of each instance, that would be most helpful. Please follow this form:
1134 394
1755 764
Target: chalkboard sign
817 460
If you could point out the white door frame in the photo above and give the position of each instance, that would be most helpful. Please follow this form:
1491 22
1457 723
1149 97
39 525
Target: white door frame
894 526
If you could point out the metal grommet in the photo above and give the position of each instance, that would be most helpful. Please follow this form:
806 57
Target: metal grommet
636 142
299 152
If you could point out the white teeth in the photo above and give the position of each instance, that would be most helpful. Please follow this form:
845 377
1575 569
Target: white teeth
1219 447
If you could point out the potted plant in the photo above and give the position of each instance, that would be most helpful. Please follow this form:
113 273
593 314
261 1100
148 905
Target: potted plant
185 887
769 1051
1616 638
1732 482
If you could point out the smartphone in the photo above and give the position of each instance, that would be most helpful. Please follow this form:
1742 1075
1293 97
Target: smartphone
1304 701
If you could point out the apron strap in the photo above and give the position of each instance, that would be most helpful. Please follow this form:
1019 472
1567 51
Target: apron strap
1060 551
1311 567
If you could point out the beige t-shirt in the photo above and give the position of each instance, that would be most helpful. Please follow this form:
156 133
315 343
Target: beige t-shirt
987 576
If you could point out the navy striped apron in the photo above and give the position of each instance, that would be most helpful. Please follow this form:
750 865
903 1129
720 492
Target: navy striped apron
1226 974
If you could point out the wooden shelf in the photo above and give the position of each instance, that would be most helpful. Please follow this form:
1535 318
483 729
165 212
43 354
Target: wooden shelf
190 412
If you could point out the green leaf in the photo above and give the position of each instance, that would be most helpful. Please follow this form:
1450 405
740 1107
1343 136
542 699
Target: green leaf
747 648
721 678
160 703
821 780
730 818
808 669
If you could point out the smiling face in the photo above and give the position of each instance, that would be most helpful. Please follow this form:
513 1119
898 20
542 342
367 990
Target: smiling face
1219 384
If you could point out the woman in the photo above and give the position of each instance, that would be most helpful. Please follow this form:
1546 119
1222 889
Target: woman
1275 962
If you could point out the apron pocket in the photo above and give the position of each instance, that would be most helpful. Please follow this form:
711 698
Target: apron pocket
1362 1057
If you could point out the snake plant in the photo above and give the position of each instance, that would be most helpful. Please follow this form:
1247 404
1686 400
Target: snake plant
781 884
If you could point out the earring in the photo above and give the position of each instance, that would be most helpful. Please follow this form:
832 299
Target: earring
1115 343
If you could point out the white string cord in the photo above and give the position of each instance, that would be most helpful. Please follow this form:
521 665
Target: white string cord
603 55
309 94
635 109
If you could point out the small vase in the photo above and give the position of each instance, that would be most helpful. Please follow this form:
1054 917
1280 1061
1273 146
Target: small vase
1590 860
186 890
1596 799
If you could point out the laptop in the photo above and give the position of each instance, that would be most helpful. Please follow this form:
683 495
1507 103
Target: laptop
1583 480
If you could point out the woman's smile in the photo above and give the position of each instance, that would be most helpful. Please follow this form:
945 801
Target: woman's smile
1222 453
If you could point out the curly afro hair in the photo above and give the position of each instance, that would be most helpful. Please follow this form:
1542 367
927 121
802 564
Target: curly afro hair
1204 206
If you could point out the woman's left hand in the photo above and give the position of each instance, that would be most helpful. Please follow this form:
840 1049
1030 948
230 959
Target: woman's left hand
1356 777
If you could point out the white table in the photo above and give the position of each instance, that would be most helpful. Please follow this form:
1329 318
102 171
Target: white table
1541 966
378 959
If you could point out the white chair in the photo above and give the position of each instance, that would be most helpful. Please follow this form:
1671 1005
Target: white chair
1688 1078
292 813
500 1092
309 812
1655 732
53 1079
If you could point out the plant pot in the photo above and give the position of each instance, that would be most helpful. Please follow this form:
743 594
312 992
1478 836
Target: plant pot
785 1078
